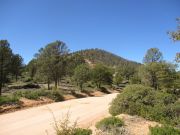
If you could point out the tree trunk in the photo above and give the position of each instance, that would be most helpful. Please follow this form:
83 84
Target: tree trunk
16 78
81 86
99 85
56 82
96 85
59 80
1 74
0 88
48 84
154 81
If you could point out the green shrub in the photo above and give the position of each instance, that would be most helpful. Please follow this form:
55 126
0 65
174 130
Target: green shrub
131 100
109 123
36 94
148 103
18 93
165 130
175 92
9 99
66 127
31 94
81 131
55 95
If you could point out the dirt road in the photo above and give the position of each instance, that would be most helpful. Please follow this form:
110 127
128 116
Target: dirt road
39 120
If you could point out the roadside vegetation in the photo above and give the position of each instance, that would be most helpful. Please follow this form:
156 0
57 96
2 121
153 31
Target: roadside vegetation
111 125
153 93
66 127
165 130
37 94
149 103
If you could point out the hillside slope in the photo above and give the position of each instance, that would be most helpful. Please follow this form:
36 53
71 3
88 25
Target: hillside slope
101 56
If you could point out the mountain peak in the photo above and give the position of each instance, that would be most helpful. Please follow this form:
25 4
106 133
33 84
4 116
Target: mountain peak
95 56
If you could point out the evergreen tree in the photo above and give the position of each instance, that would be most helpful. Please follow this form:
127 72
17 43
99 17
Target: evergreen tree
153 55
5 62
51 61
101 74
81 75
16 65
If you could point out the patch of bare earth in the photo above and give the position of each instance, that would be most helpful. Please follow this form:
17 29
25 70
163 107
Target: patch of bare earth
69 97
29 102
9 108
136 125
97 93
89 63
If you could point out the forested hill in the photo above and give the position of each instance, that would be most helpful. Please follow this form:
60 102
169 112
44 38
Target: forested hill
101 56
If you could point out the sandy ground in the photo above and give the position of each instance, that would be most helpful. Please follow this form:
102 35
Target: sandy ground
136 125
39 120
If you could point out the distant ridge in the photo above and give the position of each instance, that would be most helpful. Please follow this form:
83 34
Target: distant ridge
101 56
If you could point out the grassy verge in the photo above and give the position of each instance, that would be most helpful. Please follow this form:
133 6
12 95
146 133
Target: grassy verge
13 98
9 99
37 94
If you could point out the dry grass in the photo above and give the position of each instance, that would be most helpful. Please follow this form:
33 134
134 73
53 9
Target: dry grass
66 127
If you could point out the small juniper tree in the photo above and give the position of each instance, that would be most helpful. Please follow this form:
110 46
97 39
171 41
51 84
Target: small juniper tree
81 75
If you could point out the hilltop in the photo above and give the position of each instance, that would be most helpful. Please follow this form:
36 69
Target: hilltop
95 56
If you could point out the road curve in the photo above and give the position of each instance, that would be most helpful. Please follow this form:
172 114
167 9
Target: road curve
39 120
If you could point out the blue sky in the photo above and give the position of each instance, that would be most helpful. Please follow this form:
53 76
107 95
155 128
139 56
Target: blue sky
124 27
